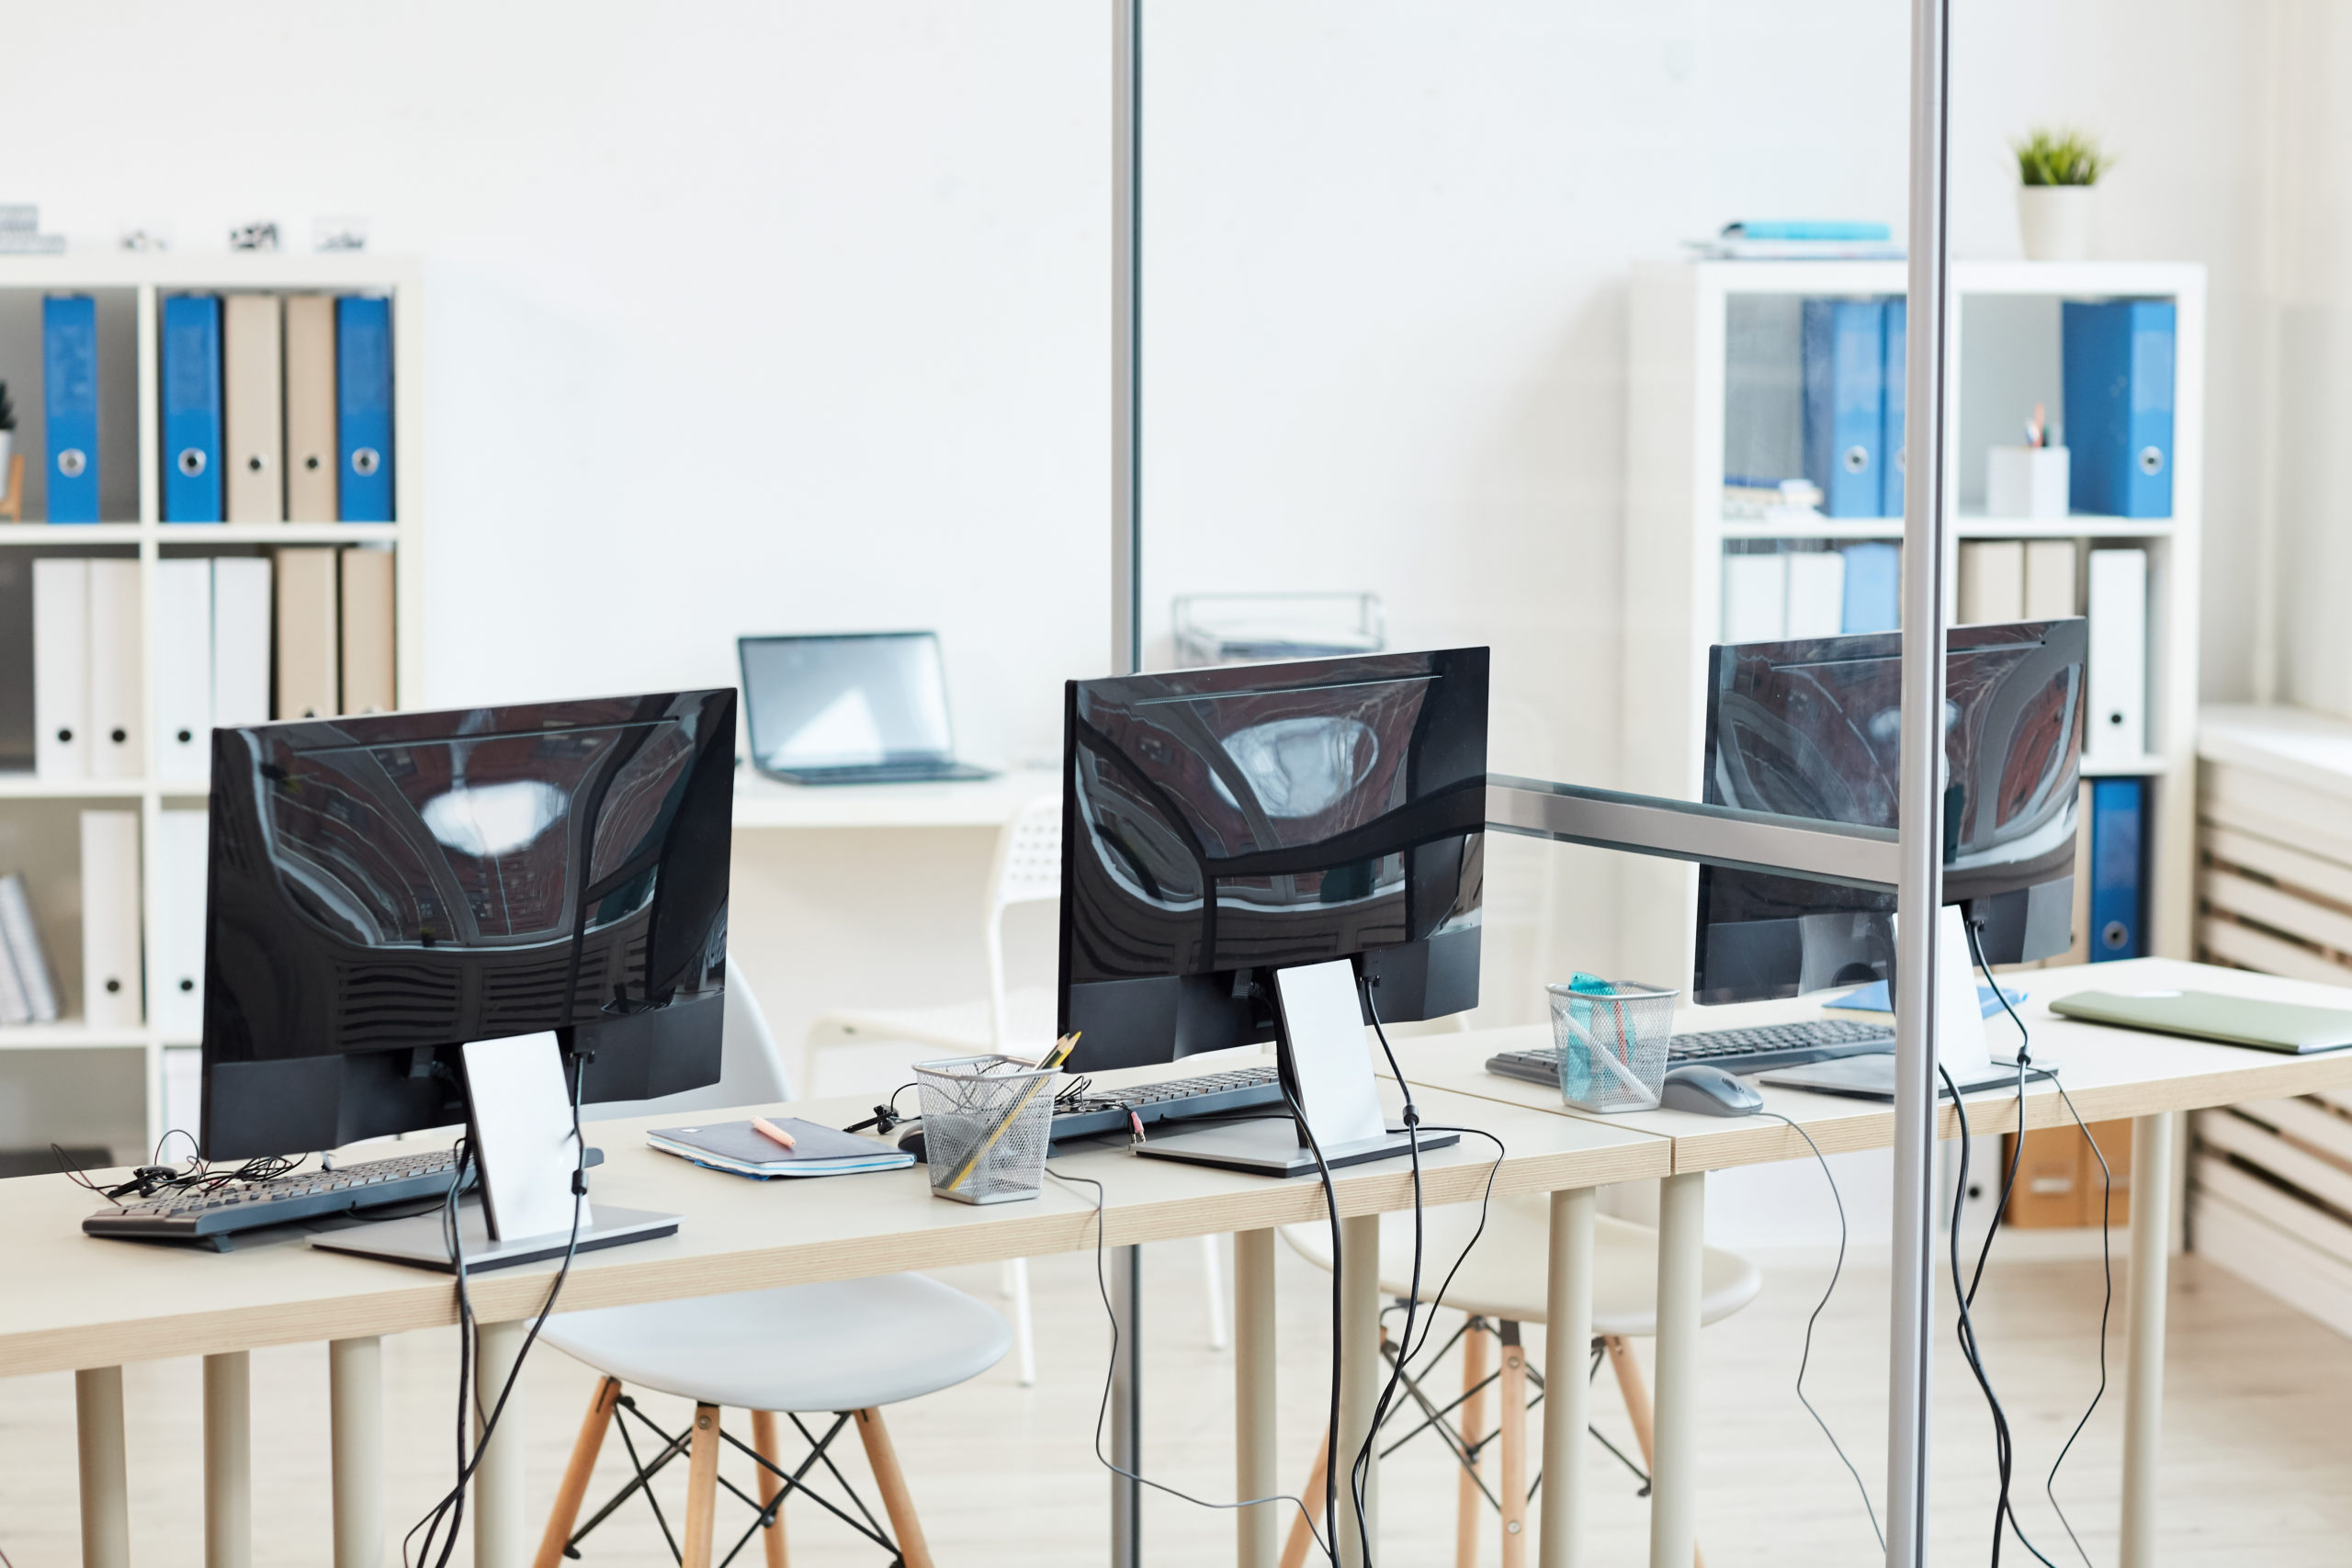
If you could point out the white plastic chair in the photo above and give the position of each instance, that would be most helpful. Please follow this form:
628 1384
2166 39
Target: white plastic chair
1501 1285
1015 1019
846 1348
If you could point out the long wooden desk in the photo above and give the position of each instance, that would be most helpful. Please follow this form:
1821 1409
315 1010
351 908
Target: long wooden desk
2109 1073
98 1304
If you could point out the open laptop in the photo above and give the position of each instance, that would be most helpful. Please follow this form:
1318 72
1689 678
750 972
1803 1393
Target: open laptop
856 708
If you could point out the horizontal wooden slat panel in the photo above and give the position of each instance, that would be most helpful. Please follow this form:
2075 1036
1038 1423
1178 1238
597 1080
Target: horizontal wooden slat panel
2260 803
2283 863
2308 1122
2230 942
2278 908
2260 1145
2275 1260
2282 1210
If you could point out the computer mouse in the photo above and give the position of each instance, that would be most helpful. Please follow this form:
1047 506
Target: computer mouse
911 1141
1709 1092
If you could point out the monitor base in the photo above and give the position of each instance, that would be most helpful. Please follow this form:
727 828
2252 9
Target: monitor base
421 1240
1271 1147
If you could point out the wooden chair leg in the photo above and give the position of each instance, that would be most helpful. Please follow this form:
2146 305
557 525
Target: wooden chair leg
1511 1390
763 1443
702 1488
1295 1548
1636 1390
584 1450
1469 1507
897 1501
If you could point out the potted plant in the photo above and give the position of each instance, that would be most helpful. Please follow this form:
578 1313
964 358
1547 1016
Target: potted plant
2056 170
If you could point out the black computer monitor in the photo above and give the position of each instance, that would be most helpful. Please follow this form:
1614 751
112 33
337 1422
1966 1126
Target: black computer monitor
385 890
1220 823
1812 728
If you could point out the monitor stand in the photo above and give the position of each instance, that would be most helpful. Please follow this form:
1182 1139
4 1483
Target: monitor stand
1320 1052
520 1131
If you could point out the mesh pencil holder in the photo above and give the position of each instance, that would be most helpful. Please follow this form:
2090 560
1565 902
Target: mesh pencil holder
986 1125
1613 1044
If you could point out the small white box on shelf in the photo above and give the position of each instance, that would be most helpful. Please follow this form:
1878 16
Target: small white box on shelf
2026 482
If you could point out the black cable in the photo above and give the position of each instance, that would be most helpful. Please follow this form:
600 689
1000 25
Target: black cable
452 1505
1359 1469
2107 1267
1102 1410
1805 1359
2106 1252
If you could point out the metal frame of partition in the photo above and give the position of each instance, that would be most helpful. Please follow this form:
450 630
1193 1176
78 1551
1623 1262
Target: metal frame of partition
1910 860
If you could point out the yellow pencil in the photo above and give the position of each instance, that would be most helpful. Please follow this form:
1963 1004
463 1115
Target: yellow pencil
1053 1059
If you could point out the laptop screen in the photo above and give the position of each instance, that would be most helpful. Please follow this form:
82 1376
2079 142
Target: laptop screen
851 701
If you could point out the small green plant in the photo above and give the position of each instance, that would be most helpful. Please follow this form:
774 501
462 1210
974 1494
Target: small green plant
2048 157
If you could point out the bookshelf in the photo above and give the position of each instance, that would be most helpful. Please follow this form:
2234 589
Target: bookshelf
2002 357
69 1080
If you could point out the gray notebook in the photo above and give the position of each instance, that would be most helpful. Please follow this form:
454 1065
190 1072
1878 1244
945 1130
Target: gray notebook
738 1146
2202 1015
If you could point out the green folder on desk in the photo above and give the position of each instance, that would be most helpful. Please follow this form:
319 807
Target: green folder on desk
2232 1020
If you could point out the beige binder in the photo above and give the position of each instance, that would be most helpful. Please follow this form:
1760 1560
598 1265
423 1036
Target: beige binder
1992 582
367 631
2049 579
307 654
310 408
255 434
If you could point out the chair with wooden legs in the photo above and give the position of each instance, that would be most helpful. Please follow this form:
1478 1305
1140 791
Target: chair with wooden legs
843 1349
1501 1287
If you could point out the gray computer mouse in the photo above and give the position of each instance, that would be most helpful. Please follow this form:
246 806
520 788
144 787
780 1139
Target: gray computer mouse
1709 1092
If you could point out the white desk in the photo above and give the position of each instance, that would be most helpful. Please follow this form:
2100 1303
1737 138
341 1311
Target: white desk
763 803
2110 1072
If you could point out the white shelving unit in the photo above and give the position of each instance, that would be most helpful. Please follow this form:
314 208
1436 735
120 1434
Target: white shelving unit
37 815
2003 355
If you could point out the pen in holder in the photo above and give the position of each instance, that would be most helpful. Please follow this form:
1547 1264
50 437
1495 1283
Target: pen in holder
986 1123
1612 1040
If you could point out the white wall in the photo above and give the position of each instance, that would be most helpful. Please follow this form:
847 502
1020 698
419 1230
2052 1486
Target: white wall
755 317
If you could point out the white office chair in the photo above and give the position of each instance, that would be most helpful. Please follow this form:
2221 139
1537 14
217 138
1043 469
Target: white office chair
1018 1020
846 1348
1501 1286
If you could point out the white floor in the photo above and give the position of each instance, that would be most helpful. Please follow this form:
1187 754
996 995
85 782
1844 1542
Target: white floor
2257 1460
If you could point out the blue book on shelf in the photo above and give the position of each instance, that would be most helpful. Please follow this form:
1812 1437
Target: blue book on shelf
1895 361
2119 383
1845 345
69 365
363 408
191 407
1804 229
1873 589
2117 811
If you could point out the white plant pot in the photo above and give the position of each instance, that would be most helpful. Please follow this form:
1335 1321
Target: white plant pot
2055 221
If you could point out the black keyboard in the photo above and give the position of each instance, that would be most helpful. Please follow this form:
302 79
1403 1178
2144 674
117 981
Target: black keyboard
1212 1094
1758 1050
215 1215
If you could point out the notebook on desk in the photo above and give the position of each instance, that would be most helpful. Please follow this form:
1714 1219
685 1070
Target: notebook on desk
2202 1015
739 1147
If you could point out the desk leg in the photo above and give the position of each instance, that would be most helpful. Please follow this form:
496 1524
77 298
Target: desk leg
1126 1407
2153 1148
228 1461
1257 1461
1360 1372
1568 1395
355 1417
105 1481
501 1534
1682 1246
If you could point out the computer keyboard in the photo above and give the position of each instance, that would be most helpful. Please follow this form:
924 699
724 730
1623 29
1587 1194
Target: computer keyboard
1212 1094
216 1214
1757 1050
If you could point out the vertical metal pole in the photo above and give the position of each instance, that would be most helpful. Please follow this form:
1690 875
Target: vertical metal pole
1126 658
1256 1461
228 1461
2155 1142
355 1429
1126 1411
1919 800
1126 336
